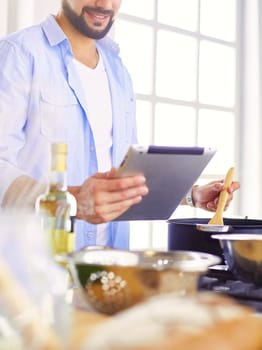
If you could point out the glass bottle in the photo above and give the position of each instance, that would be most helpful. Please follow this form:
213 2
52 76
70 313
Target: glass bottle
57 206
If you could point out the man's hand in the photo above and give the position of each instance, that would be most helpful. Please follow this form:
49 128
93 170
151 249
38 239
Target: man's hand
206 196
103 197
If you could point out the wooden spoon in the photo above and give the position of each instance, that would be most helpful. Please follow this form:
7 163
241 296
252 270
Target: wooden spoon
218 217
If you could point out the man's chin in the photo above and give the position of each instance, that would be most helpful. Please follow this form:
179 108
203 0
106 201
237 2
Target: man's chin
99 31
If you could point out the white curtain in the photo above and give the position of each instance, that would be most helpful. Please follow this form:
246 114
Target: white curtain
250 142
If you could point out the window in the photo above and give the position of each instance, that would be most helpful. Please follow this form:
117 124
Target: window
182 58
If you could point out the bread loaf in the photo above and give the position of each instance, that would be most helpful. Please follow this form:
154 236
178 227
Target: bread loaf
205 321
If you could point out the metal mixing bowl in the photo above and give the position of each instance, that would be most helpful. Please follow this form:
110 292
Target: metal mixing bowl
243 255
113 280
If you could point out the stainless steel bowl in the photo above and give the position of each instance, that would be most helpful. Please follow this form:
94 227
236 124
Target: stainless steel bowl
113 280
243 255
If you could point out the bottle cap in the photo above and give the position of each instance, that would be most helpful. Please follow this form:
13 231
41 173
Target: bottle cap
59 148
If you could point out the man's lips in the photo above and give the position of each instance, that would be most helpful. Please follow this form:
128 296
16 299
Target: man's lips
97 17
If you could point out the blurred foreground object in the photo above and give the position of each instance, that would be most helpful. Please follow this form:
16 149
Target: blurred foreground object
202 321
32 286
34 330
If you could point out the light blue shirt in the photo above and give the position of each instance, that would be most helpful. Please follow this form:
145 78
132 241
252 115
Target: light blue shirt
42 101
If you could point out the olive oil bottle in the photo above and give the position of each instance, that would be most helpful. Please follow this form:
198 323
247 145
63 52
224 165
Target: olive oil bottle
57 206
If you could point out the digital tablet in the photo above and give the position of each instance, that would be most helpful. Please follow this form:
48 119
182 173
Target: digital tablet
170 172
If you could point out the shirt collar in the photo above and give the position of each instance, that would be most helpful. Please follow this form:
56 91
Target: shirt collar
53 32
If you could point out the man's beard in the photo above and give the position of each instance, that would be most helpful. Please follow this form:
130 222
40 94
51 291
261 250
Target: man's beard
80 25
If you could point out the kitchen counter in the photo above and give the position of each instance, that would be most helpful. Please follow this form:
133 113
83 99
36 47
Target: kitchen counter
84 319
83 323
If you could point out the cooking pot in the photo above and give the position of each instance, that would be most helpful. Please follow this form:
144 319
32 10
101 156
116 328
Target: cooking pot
195 233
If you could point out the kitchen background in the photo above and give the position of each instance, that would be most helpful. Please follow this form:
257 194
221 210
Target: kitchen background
200 63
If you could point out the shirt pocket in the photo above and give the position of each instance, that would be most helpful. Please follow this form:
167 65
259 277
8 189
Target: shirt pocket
60 115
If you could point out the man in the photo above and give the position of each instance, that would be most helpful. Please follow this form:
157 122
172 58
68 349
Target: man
62 80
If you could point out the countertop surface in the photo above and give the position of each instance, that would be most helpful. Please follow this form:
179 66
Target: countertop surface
84 319
82 324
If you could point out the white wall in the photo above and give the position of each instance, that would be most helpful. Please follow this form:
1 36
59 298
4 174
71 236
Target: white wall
17 14
3 17
20 14
43 8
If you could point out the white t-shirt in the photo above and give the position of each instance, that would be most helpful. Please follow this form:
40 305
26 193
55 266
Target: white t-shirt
95 85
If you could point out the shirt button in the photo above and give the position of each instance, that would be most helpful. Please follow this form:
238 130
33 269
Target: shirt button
90 235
